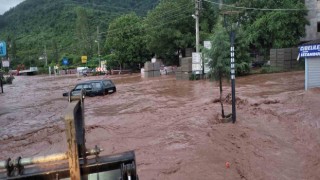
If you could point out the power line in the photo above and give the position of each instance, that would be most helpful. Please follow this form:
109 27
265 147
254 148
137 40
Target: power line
174 18
128 28
169 19
109 7
155 18
165 14
179 8
145 3
259 9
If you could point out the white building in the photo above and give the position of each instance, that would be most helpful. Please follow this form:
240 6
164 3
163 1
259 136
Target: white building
311 52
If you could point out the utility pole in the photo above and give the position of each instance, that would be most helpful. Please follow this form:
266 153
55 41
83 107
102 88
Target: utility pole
197 4
45 54
232 25
196 16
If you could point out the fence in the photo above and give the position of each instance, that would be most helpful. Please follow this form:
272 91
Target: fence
285 59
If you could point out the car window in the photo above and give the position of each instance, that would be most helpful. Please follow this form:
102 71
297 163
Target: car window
96 85
79 87
87 86
107 83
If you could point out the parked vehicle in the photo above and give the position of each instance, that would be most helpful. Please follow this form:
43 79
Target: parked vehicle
87 71
93 88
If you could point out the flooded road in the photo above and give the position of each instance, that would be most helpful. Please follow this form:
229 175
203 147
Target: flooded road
174 126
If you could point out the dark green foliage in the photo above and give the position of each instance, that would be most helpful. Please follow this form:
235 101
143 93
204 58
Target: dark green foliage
273 29
194 77
269 69
126 42
170 28
219 55
7 79
63 26
242 58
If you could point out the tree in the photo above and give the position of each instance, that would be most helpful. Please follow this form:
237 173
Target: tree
170 28
70 24
126 40
273 28
218 58
82 32
242 57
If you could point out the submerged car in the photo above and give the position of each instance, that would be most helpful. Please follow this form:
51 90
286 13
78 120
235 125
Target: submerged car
93 88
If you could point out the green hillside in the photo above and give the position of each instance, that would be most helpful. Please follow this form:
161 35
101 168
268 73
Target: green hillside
57 28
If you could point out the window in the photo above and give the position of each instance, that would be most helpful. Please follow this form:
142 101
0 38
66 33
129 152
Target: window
318 27
107 83
87 86
96 85
79 87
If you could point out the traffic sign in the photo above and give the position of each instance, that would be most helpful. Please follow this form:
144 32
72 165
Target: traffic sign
65 61
207 44
3 48
5 63
84 59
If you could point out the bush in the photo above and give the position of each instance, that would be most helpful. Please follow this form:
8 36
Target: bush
43 70
269 69
194 77
7 80
242 69
98 73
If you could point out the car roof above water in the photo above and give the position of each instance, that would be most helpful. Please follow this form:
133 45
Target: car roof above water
98 80
82 83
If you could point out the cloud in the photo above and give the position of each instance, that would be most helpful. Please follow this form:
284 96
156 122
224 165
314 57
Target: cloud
5 5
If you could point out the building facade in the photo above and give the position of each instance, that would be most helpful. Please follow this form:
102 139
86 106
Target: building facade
313 29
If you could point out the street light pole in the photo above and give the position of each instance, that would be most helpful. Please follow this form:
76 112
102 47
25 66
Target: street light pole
98 45
232 61
233 76
196 17
45 54
99 53
197 24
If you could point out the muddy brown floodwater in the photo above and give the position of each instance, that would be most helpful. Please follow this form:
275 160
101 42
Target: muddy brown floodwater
173 126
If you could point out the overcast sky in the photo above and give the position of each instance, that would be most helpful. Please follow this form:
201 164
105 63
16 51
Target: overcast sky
5 5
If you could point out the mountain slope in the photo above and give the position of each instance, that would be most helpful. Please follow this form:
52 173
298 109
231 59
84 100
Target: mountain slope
35 25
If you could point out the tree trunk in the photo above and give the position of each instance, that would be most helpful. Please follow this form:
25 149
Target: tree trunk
221 100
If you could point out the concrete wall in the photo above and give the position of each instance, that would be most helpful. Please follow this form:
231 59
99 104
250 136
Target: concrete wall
313 17
185 70
285 58
151 69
